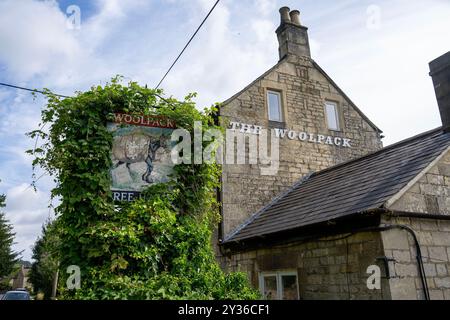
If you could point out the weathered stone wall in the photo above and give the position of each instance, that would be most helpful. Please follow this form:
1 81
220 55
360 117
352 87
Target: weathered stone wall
434 240
430 194
328 268
304 91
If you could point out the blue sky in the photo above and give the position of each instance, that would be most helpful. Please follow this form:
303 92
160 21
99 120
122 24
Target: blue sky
381 64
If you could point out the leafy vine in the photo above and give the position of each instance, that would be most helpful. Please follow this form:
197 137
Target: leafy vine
157 247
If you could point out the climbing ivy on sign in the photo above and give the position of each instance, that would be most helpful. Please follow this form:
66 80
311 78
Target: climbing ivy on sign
156 247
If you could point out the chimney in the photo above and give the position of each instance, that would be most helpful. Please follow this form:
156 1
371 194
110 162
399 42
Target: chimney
440 73
292 36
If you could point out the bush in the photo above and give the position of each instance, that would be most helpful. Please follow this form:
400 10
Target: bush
158 247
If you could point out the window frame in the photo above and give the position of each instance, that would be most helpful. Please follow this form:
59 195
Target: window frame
278 275
278 93
336 114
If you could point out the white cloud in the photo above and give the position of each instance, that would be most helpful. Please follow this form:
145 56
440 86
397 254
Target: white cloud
36 37
384 71
26 209
218 63
266 7
263 29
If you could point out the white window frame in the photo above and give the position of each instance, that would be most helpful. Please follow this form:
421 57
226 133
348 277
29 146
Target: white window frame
336 115
280 104
278 275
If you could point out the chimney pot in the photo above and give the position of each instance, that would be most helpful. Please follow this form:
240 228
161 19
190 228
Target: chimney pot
440 73
284 13
292 37
295 17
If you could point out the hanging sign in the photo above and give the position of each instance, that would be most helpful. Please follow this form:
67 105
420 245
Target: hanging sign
140 153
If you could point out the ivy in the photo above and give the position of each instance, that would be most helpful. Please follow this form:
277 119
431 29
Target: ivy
157 247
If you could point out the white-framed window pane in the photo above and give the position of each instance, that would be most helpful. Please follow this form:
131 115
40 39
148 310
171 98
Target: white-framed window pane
289 290
274 103
332 116
280 285
270 287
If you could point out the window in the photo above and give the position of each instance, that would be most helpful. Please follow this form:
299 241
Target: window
332 115
274 104
279 285
270 291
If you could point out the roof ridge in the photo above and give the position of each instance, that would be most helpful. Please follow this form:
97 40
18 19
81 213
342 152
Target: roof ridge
304 204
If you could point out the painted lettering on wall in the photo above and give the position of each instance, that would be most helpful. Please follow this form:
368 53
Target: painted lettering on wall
294 135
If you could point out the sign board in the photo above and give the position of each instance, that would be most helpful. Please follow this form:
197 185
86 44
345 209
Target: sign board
140 153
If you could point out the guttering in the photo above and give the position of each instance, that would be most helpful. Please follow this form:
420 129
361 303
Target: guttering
304 233
379 211
418 215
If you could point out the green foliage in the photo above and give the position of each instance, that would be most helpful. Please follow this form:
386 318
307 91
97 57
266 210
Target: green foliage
46 257
8 258
158 247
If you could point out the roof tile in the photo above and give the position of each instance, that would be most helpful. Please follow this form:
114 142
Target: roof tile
355 186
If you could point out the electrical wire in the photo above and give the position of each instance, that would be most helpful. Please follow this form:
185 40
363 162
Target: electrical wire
31 90
187 44
33 184
63 96
165 75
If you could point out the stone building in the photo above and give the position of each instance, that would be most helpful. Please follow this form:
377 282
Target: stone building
342 217
21 279
301 94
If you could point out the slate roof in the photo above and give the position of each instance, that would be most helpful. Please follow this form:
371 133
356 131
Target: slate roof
352 187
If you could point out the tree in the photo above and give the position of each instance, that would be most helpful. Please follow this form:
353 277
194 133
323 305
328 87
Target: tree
45 256
8 258
157 247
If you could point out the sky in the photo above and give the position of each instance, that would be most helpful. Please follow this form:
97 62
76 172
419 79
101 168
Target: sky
377 51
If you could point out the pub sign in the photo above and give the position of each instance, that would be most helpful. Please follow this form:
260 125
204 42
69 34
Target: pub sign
140 153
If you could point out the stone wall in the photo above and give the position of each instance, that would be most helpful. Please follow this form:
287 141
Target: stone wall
328 268
429 195
434 240
332 269
304 90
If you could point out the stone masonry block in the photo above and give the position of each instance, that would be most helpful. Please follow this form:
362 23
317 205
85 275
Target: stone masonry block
436 295
435 179
430 269
403 289
444 169
446 294
441 238
401 255
395 239
441 270
438 254
406 270
442 282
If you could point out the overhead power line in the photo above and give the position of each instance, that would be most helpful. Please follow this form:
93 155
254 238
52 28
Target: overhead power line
165 75
187 44
63 96
31 90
